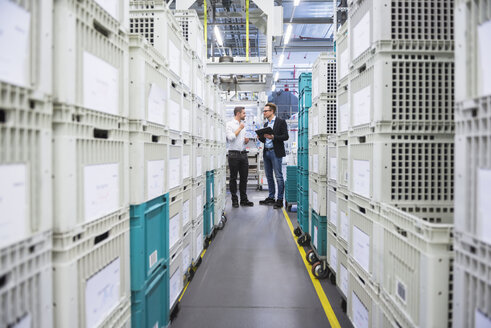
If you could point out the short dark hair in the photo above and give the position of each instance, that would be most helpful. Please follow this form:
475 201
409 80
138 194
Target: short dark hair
271 106
238 109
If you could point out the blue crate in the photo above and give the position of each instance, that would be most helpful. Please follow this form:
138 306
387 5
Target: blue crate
305 100
208 218
303 160
303 197
303 218
304 81
150 305
149 239
319 222
210 186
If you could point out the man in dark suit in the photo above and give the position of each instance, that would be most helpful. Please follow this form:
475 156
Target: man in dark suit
274 151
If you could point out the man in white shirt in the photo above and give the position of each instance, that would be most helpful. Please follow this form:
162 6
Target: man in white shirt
237 157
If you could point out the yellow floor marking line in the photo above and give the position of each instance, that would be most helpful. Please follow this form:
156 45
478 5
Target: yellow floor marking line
317 285
186 287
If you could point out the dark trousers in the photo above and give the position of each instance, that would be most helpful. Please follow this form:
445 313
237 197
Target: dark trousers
238 163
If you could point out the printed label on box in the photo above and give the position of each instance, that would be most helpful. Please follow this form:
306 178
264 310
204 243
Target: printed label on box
175 285
155 178
333 166
111 6
101 190
484 37
315 236
15 26
199 169
344 279
199 205
360 312
199 244
26 321
315 203
13 203
333 217
156 104
361 36
344 220
361 178
361 248
152 259
185 166
343 117
185 120
174 58
334 258
173 115
344 64
186 73
185 213
101 85
362 106
174 173
186 257
315 163
102 294
174 230
480 320
483 226
315 126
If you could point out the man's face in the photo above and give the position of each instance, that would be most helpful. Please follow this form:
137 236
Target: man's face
268 112
242 115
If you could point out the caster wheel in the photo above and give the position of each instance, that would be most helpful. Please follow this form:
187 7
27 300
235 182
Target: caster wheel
311 257
344 305
297 231
332 278
174 312
221 224
318 271
289 208
191 274
198 263
303 240
214 233
206 243
224 218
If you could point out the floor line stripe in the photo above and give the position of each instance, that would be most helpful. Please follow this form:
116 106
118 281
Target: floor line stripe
331 316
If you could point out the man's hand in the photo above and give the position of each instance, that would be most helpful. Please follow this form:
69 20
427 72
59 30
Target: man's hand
241 126
246 140
269 136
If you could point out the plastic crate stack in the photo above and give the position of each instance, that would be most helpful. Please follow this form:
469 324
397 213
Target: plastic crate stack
389 201
291 185
304 104
472 243
322 126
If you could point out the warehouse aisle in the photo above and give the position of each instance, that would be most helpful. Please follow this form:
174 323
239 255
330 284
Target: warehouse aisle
252 276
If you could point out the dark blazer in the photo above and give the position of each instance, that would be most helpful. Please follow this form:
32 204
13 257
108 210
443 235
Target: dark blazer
280 132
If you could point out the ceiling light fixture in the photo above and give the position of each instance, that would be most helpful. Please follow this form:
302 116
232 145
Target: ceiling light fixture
296 2
273 88
280 61
276 76
218 36
288 33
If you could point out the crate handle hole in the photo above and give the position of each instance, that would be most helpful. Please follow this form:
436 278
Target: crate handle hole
32 249
101 134
362 210
474 112
101 29
3 281
76 118
173 199
362 139
32 104
362 69
173 85
3 116
155 138
173 141
361 279
101 237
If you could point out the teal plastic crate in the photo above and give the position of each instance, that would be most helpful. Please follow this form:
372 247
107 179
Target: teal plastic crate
319 237
303 218
304 81
150 305
305 100
149 243
303 160
209 218
210 186
303 197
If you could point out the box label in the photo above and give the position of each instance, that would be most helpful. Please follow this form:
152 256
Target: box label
333 166
333 216
156 104
361 248
111 6
361 36
361 178
185 213
173 113
484 204
344 225
155 178
174 230
174 173
360 312
101 190
362 106
185 166
152 259
334 258
344 279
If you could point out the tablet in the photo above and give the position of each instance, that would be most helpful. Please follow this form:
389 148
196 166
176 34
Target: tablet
263 131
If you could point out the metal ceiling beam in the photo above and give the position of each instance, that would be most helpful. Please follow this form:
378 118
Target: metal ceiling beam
252 87
238 68
309 20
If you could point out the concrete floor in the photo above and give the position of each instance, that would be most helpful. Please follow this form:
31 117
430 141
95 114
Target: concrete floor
253 276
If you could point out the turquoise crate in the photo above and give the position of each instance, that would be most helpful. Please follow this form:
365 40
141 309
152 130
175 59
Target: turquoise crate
319 223
303 197
149 243
303 160
303 218
305 100
150 305
208 218
210 186
304 81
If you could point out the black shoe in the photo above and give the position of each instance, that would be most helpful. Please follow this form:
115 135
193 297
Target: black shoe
246 203
235 203
267 201
278 204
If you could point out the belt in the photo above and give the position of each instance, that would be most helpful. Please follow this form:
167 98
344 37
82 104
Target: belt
238 151
267 149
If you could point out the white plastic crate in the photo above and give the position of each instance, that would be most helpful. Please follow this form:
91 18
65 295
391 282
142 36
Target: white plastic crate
324 76
148 162
187 250
175 114
220 183
209 129
192 31
471 285
343 218
91 56
402 168
220 130
187 206
90 165
473 167
209 96
472 33
155 22
176 280
363 301
25 165
187 114
332 208
174 164
197 239
148 82
332 160
318 157
199 80
187 68
199 119
423 26
332 251
342 53
343 107
417 272
198 160
175 219
91 271
27 62
26 287
414 90
186 160
342 160
318 194
199 198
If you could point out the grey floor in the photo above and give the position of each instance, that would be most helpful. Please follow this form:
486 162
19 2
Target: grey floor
253 276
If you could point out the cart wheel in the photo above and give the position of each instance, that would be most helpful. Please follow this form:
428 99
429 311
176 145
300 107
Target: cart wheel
289 208
297 231
344 305
224 218
311 257
206 243
303 240
319 271
221 224
332 278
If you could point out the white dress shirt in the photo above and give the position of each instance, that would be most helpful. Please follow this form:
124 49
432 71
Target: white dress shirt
235 142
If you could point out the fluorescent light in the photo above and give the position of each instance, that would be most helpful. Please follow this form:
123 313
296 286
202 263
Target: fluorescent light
296 2
288 33
282 58
218 36
273 88
276 76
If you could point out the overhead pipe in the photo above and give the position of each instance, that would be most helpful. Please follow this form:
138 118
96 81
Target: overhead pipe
247 30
